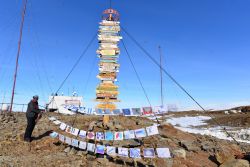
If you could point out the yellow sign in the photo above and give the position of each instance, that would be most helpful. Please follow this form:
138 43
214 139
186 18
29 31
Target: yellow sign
107 52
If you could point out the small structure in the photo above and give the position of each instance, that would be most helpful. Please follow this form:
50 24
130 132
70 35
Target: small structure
65 104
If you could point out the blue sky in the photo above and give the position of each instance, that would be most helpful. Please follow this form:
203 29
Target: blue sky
205 46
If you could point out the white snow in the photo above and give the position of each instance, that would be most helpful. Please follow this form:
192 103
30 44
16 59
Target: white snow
191 125
188 121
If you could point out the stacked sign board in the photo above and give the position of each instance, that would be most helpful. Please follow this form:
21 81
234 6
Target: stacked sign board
108 52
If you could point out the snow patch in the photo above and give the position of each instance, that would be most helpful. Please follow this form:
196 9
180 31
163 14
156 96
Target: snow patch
191 125
188 121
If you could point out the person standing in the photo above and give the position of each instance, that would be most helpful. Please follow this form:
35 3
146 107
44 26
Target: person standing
32 114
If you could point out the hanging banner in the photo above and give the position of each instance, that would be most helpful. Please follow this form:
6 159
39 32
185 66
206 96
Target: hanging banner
136 111
117 112
100 149
126 112
149 153
61 138
147 110
83 145
163 152
75 142
63 126
74 131
53 135
123 152
68 140
118 136
83 134
91 147
113 151
68 129
129 134
152 130
135 152
91 135
99 136
139 133
109 135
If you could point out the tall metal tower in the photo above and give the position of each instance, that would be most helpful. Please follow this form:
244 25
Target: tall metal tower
108 52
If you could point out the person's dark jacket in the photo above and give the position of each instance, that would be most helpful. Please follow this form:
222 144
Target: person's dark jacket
32 109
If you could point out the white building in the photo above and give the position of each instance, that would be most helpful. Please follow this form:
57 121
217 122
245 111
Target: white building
65 104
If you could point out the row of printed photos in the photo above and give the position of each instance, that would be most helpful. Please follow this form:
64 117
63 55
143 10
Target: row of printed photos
114 151
125 111
109 135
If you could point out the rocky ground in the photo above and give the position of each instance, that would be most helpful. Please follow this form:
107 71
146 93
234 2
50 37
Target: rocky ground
230 118
188 150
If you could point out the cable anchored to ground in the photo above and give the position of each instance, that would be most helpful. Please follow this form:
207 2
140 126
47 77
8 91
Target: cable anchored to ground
177 83
74 66
138 77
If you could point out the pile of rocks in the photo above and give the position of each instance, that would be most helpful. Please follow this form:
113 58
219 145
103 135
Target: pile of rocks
229 160
187 149
7 118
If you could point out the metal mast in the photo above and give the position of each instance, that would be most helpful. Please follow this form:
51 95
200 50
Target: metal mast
161 76
18 53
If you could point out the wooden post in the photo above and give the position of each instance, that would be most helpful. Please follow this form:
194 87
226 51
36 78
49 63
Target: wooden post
105 119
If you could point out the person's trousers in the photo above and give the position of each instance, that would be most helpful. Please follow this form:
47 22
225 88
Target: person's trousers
31 122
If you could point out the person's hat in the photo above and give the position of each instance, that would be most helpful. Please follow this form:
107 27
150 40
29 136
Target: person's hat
36 97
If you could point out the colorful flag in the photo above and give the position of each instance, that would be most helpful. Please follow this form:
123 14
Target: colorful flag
148 152
117 111
53 134
126 111
118 135
157 109
74 131
129 134
91 135
136 111
163 152
111 150
160 109
135 153
152 130
63 126
147 110
107 111
90 111
123 152
75 142
91 147
99 111
68 140
83 134
140 133
99 135
61 138
82 145
100 149
109 135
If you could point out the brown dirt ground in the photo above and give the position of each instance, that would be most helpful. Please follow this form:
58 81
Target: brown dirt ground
45 151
